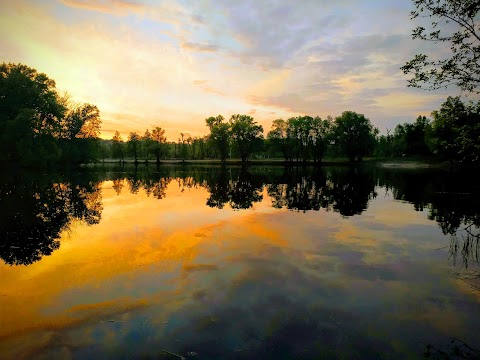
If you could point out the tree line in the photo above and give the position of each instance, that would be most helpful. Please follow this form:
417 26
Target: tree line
40 127
298 139
452 134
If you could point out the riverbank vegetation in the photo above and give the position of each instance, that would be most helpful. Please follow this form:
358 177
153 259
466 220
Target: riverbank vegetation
41 128
452 134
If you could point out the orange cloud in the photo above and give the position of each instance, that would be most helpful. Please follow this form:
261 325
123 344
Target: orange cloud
117 7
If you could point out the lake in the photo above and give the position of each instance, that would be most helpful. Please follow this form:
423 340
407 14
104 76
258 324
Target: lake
228 263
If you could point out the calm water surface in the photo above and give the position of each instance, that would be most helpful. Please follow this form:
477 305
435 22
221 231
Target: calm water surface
211 263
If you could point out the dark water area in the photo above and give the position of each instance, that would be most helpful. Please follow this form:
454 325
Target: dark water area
228 263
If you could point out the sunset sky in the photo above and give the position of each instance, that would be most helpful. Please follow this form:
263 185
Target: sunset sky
173 63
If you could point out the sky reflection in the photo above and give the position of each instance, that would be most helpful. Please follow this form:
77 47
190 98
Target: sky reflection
177 275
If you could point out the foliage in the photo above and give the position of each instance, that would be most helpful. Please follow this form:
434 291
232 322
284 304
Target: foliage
299 131
184 142
320 136
355 135
158 142
219 135
456 130
278 136
117 146
453 22
40 128
410 138
133 144
244 131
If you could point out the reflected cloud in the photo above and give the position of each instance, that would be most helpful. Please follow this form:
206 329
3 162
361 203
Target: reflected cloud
155 273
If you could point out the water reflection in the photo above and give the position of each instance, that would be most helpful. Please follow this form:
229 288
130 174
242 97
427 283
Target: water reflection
452 201
240 190
34 212
164 270
346 191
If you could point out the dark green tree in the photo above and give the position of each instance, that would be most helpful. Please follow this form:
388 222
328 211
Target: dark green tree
278 136
30 114
244 132
117 146
411 139
80 129
219 135
454 22
320 137
146 144
456 131
133 145
159 146
37 126
299 132
355 135
183 146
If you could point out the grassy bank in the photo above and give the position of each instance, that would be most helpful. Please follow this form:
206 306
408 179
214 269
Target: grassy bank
411 162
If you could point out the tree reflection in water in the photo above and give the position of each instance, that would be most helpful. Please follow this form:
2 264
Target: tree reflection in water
34 213
240 190
35 210
452 200
344 190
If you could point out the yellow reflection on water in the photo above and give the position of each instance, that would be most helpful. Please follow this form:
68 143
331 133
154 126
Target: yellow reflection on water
136 234
146 252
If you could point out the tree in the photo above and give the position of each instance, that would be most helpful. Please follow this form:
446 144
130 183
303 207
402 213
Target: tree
456 130
30 114
134 145
320 135
21 88
117 146
90 120
38 127
183 143
201 142
411 139
159 141
355 135
458 19
79 133
147 143
278 135
299 131
214 120
219 135
244 132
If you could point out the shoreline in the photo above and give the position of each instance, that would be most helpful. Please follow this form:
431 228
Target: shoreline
390 163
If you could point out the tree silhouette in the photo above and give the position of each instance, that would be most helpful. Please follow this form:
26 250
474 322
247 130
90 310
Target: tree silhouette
35 213
354 134
244 132
240 191
453 22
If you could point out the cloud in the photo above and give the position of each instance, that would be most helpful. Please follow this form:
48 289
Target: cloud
203 84
199 47
117 7
272 32
169 63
